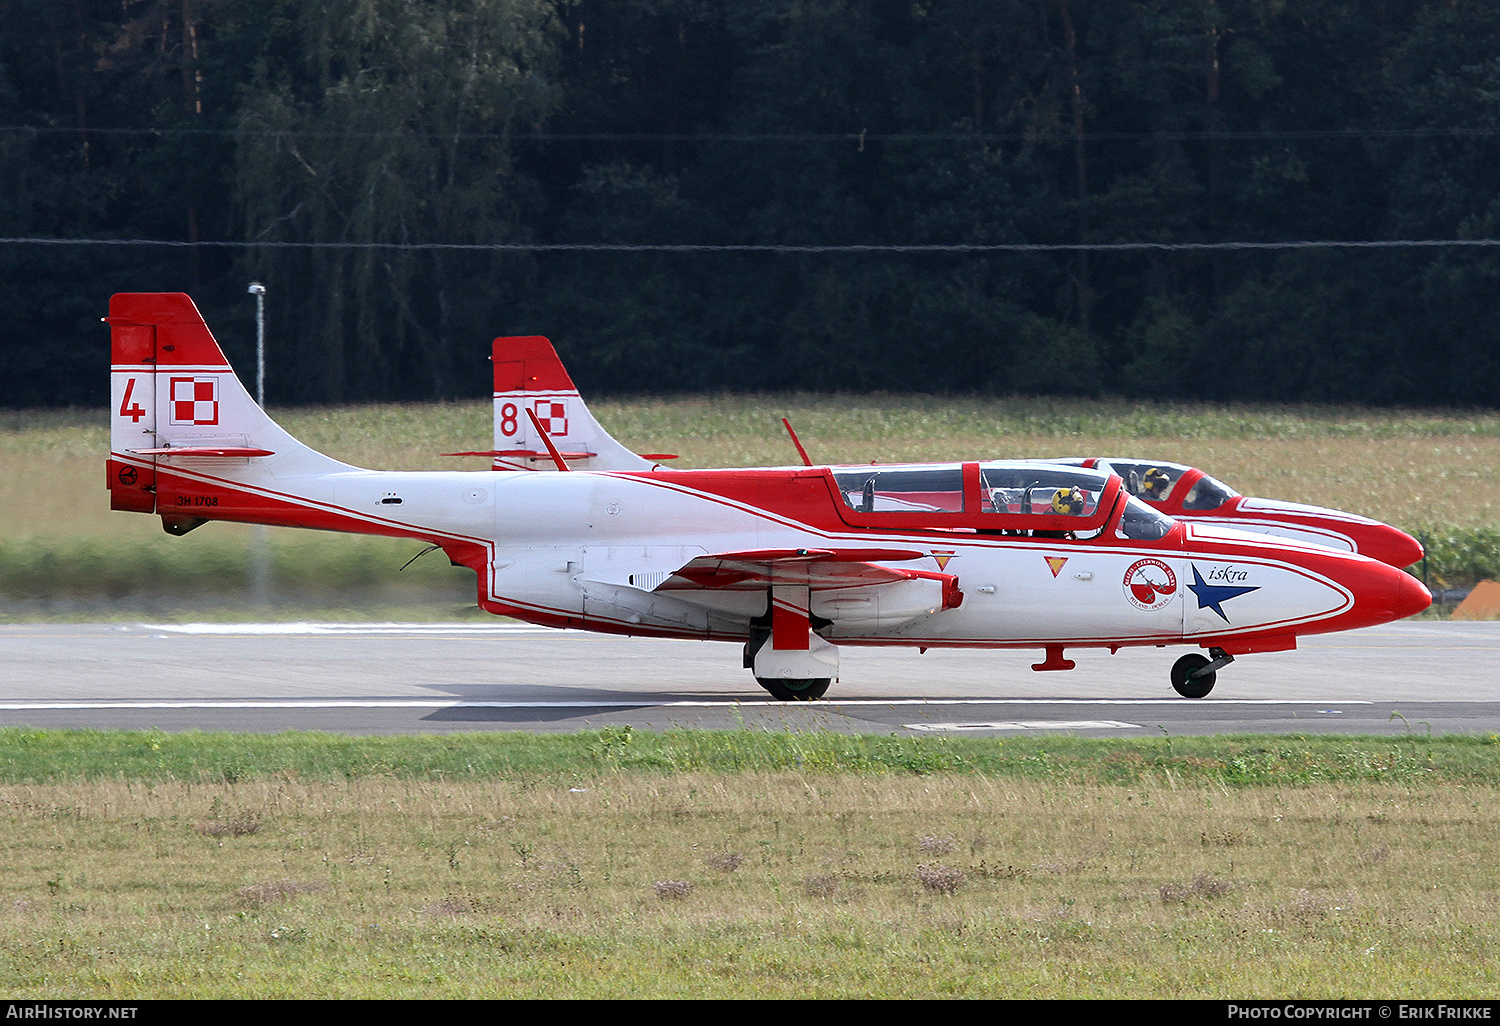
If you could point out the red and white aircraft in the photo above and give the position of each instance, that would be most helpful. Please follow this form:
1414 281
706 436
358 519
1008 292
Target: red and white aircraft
791 562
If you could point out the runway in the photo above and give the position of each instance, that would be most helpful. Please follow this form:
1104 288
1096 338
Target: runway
1420 676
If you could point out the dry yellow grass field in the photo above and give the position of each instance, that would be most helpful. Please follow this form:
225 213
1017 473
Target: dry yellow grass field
747 885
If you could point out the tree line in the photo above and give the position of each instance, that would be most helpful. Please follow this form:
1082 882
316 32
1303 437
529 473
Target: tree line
368 159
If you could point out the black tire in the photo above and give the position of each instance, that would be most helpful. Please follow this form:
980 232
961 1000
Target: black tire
795 689
1185 683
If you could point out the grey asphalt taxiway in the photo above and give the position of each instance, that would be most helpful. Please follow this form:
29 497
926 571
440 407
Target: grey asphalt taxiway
1419 675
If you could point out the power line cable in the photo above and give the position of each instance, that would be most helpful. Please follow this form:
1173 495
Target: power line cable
760 137
691 247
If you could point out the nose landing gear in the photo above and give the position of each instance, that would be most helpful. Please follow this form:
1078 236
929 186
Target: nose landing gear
1193 676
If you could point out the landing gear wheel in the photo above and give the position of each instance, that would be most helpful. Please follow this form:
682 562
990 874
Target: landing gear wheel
1183 680
795 689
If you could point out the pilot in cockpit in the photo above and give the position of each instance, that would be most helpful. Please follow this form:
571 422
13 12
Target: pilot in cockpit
1156 485
1068 501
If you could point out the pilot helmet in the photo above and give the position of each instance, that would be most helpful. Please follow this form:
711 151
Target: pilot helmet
1068 501
1157 481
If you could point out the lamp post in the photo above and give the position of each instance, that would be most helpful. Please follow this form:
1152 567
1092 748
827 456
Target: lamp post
258 290
260 562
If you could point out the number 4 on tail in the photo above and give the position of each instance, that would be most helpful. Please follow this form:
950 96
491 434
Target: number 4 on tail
129 409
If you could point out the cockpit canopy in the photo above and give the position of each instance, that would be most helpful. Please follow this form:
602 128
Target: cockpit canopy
887 489
1021 498
1161 483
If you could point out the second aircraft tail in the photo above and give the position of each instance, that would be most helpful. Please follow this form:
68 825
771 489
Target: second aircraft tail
532 391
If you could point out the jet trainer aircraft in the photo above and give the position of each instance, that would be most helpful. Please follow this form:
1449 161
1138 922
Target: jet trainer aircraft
791 562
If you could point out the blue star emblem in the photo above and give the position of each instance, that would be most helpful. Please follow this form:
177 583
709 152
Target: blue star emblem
1211 595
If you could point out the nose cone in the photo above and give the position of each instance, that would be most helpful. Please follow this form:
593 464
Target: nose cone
1384 593
1391 546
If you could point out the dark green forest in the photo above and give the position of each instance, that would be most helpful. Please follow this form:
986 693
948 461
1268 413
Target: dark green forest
411 178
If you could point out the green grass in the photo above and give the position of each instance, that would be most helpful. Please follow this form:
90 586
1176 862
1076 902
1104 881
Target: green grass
1459 557
33 756
316 568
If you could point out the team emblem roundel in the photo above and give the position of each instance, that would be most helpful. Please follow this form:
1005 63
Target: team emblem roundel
1150 584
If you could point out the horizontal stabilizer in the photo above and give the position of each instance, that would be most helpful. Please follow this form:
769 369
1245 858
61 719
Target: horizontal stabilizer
523 453
224 451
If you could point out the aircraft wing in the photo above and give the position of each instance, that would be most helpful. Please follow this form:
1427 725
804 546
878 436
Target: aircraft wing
819 569
845 585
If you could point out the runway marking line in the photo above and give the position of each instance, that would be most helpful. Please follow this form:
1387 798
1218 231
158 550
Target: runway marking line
1027 725
321 629
439 703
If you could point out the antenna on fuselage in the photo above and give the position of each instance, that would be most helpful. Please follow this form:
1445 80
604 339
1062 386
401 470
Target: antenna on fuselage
557 457
800 451
418 556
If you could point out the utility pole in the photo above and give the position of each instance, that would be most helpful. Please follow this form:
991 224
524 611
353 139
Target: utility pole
260 557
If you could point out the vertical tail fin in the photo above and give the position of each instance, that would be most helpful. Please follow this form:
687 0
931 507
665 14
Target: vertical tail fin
176 405
529 376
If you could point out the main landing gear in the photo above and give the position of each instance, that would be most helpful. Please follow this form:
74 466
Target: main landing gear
784 689
795 689
1193 675
787 657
